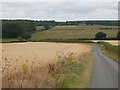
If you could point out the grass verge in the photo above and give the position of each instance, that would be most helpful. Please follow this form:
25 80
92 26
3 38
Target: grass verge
82 75
110 50
11 40
112 55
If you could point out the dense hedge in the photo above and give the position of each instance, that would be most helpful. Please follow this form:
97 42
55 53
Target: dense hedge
63 40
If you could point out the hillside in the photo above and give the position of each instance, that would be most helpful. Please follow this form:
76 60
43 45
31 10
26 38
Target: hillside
75 32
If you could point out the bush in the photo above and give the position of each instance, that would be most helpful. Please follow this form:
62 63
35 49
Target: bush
46 27
26 35
118 35
100 35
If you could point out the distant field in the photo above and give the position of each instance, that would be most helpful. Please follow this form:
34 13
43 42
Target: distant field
73 27
40 28
75 32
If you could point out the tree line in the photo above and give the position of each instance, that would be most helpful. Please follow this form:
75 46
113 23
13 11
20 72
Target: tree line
17 28
95 22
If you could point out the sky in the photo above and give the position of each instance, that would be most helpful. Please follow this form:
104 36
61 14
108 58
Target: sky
60 10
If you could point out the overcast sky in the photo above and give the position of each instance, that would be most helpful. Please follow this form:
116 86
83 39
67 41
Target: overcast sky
60 10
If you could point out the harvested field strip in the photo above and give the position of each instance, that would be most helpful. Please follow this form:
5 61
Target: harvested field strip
113 42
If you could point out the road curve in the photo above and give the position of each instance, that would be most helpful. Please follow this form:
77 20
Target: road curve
105 71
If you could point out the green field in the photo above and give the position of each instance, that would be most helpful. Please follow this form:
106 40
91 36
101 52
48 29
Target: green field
40 28
10 40
75 32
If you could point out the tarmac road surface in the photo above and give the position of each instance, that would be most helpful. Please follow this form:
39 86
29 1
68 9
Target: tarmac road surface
105 71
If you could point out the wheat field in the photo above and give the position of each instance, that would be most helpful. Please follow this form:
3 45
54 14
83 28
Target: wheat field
39 64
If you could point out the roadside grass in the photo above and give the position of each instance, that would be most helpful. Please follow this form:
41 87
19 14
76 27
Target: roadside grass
102 47
110 50
11 40
82 76
112 55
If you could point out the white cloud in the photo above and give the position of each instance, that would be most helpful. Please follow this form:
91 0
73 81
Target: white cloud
60 10
60 0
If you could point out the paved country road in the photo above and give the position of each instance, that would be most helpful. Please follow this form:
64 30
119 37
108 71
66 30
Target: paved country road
105 71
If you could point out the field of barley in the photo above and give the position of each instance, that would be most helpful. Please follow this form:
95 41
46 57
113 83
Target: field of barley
75 32
0 66
41 64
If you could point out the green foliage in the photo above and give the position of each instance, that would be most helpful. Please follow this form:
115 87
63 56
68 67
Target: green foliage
9 40
26 35
46 27
17 28
90 23
118 35
107 23
111 50
12 30
100 35
110 47
46 23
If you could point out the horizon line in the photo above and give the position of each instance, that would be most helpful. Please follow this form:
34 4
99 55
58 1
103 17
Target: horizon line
58 20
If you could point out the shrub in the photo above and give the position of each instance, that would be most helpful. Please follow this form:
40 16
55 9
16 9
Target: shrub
100 35
118 35
26 35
